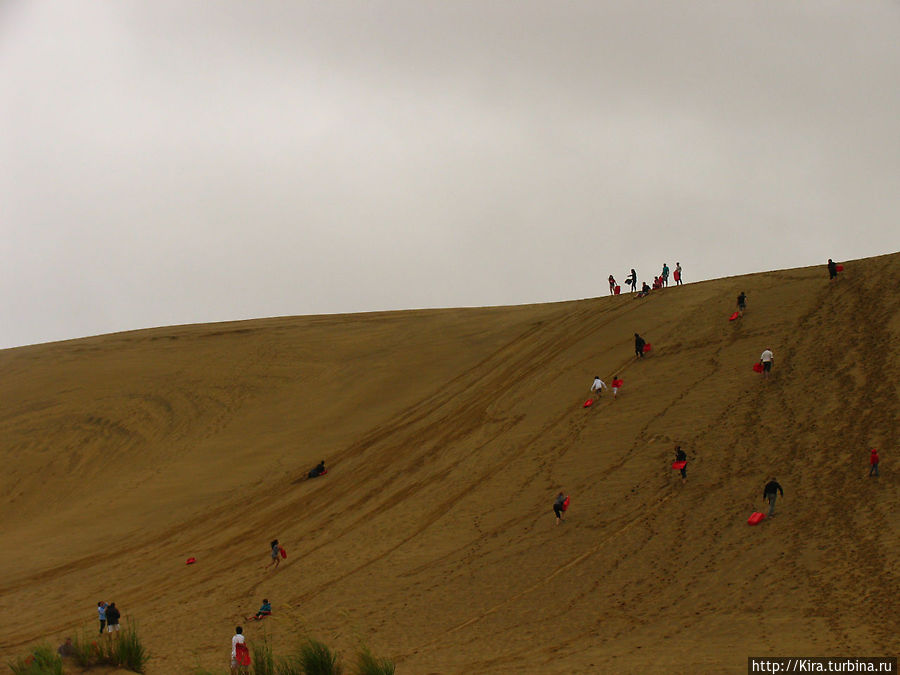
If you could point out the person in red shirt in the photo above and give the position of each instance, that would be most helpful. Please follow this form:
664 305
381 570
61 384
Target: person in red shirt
873 461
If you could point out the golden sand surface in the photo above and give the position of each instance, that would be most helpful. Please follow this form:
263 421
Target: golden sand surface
447 434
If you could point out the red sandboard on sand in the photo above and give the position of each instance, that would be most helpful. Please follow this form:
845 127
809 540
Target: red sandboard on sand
756 518
734 316
190 561
839 268
242 654
678 466
565 505
617 290
588 403
647 347
757 367
282 551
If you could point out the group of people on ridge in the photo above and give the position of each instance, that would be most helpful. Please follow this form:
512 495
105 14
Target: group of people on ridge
659 282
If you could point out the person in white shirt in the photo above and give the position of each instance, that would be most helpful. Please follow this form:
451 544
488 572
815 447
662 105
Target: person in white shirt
598 386
767 358
235 641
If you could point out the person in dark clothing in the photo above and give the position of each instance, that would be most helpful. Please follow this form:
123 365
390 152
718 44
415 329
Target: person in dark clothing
832 269
612 284
742 303
559 507
645 290
632 280
639 343
112 618
318 470
770 492
681 456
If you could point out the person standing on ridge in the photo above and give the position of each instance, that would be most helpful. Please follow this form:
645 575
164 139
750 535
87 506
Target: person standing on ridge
677 274
632 280
832 269
770 492
681 456
639 343
873 463
559 507
598 386
767 358
612 284
664 277
742 303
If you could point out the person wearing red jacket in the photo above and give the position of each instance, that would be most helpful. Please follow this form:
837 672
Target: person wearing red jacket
873 461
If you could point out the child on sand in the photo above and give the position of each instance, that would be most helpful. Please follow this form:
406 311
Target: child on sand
873 463
681 456
264 611
767 358
612 284
240 657
101 610
677 274
770 492
639 346
276 553
559 507
616 385
598 386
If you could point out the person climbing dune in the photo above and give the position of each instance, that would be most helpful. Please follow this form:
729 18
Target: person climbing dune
741 304
770 493
681 456
560 506
639 343
598 386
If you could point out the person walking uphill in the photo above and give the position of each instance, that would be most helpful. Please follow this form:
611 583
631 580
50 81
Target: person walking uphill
767 358
560 506
832 269
639 343
598 386
742 303
681 456
770 492
873 463
276 553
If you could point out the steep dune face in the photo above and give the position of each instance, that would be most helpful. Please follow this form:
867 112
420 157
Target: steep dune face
448 434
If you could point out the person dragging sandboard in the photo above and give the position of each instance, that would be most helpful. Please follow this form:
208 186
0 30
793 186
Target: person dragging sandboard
560 506
598 386
681 457
639 343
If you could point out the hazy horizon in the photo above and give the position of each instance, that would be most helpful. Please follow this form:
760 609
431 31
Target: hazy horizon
175 163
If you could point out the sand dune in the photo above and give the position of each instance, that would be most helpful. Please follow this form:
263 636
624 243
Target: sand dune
447 434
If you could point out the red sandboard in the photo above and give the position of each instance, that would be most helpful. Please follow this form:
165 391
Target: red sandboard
756 518
734 316
757 367
617 290
282 551
678 466
839 268
588 403
190 561
618 383
565 505
647 347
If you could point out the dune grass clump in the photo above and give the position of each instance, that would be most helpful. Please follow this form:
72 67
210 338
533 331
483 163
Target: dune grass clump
316 658
368 664
42 661
122 649
262 660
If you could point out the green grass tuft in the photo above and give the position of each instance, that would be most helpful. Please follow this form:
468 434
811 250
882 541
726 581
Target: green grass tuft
316 658
368 664
42 661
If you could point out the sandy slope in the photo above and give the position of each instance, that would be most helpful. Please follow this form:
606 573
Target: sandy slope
448 434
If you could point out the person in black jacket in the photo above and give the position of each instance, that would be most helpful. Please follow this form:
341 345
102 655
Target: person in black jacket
680 456
770 492
319 470
832 269
112 618
559 507
639 346
632 280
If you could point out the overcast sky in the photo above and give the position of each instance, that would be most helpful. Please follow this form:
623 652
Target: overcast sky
185 162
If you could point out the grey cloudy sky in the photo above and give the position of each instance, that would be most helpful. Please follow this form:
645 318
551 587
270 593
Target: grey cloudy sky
167 162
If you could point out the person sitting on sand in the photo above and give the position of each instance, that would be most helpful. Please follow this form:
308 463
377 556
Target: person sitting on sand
264 611
645 291
319 470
